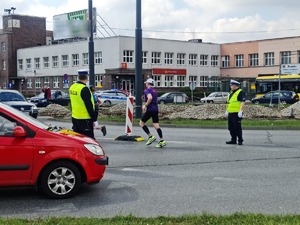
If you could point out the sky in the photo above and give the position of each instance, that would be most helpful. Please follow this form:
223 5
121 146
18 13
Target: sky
216 21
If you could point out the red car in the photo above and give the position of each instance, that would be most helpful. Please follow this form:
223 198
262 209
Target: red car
53 160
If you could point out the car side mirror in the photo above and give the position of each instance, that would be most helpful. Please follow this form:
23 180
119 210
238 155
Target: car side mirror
19 132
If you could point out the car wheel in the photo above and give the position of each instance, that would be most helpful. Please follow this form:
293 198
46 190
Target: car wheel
60 179
283 102
107 103
256 102
211 101
162 102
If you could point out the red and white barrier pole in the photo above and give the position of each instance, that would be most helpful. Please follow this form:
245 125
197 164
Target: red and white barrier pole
129 115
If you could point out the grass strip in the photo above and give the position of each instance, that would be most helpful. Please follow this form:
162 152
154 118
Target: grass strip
204 219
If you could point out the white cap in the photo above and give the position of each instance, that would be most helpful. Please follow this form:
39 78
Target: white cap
149 81
234 82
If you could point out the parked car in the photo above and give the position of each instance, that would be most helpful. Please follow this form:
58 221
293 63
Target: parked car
110 97
57 97
289 97
51 159
173 97
16 100
216 97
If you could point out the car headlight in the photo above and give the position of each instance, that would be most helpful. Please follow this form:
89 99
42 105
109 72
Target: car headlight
95 149
44 100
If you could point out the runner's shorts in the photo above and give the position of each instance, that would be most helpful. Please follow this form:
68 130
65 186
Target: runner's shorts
147 115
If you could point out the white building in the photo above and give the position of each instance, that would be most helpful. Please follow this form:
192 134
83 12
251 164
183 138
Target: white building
171 63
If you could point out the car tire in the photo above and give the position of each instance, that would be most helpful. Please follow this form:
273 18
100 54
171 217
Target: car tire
61 179
256 102
107 103
162 102
283 102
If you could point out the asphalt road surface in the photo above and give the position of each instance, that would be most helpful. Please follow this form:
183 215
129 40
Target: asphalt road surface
196 172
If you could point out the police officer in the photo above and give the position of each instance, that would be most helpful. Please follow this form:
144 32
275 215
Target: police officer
234 111
83 106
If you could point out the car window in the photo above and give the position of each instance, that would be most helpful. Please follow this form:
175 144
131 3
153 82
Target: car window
11 96
6 126
268 95
219 95
121 94
212 94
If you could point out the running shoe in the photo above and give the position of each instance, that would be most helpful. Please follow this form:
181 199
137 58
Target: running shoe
150 140
161 144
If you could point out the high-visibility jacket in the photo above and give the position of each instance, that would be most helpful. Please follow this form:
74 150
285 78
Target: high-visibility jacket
79 110
233 104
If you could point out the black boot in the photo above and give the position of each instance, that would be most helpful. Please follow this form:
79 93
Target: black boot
231 142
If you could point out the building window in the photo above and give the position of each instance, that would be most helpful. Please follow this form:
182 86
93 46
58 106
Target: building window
286 57
46 81
155 57
98 80
180 59
269 59
65 60
144 57
180 81
203 81
55 82
75 59
28 64
98 58
214 60
213 82
3 64
157 79
203 60
46 62
193 79
3 47
85 58
36 63
29 83
193 59
169 80
128 56
38 82
239 60
54 61
225 61
20 64
169 58
253 59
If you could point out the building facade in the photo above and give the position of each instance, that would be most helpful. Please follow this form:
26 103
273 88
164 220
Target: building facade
172 64
244 61
18 32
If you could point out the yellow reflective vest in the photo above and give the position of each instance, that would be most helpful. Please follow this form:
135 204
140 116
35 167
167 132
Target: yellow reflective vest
79 110
233 104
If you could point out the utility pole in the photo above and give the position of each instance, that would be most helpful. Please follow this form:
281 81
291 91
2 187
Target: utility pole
91 45
138 60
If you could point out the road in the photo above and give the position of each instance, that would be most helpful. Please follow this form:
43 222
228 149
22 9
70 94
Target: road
196 172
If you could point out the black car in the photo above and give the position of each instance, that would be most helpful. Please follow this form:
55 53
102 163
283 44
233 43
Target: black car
57 97
173 97
289 97
16 100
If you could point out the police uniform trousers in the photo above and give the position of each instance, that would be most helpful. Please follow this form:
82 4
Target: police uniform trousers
83 126
235 127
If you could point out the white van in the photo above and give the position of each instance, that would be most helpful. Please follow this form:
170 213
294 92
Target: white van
215 97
